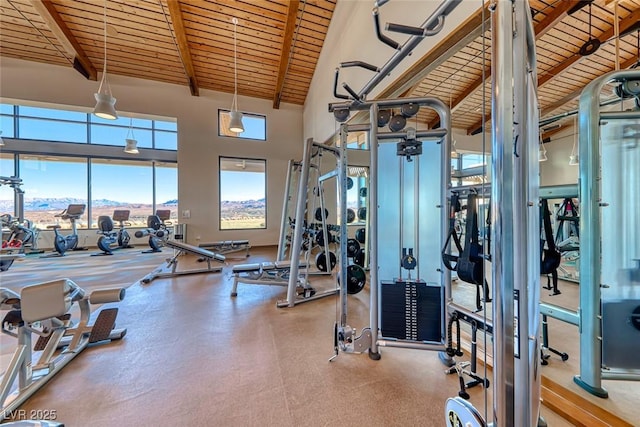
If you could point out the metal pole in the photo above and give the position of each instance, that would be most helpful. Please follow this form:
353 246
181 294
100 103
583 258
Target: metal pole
502 213
372 214
342 214
526 221
284 224
590 231
300 220
342 192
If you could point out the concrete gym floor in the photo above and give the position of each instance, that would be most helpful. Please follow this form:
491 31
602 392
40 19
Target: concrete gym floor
195 356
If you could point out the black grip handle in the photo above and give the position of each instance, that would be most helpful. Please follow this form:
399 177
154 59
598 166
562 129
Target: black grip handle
351 91
405 29
384 39
335 87
359 64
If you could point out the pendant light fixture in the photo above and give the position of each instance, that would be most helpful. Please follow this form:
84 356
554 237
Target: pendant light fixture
235 125
105 102
542 152
454 152
573 158
132 143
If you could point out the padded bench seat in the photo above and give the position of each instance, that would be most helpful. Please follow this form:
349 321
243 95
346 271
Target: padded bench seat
224 243
287 264
268 266
245 268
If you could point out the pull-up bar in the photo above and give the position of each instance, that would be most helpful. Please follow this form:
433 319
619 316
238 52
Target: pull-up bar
432 26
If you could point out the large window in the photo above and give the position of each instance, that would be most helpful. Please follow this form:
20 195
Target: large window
50 185
242 194
111 189
167 189
255 126
6 120
470 169
6 192
51 124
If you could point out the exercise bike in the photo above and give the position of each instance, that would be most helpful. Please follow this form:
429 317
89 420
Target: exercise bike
122 216
156 230
109 237
62 243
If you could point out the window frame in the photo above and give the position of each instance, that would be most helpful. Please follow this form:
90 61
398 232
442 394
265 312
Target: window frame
220 159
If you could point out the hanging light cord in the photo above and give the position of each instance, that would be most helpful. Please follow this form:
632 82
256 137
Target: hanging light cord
575 135
104 67
234 105
130 133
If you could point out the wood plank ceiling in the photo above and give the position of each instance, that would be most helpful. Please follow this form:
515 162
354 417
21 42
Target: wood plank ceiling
190 42
186 42
562 28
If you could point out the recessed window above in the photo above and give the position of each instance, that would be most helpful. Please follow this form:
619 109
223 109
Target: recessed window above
255 126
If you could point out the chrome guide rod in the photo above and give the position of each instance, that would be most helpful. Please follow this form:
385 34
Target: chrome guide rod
502 213
284 224
301 202
372 214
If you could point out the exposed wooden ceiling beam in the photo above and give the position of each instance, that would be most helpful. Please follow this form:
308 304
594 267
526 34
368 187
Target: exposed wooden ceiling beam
550 133
548 109
625 24
290 26
540 29
52 18
605 37
183 45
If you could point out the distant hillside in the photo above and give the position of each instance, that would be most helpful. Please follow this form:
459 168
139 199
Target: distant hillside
56 204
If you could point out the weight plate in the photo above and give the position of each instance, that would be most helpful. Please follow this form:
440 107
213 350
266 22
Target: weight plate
363 192
352 247
359 257
356 279
360 235
362 214
318 214
349 183
351 215
321 261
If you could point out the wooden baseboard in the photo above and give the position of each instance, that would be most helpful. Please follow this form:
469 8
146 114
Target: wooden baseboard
566 403
576 408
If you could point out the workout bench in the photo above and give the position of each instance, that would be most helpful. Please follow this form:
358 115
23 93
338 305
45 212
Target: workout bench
264 273
183 248
228 246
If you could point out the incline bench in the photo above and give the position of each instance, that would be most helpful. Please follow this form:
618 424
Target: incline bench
183 248
228 246
264 273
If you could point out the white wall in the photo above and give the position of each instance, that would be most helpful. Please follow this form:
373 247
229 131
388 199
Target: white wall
556 170
198 141
351 37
